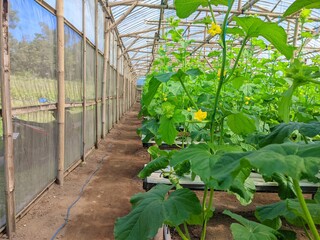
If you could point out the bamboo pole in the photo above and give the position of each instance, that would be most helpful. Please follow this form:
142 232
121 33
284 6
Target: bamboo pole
110 84
123 16
7 122
118 84
97 137
124 104
84 71
61 90
104 81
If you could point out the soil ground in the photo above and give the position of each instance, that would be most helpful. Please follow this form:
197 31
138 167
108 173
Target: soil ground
117 161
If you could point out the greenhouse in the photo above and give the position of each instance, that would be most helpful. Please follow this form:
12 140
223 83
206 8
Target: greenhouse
160 119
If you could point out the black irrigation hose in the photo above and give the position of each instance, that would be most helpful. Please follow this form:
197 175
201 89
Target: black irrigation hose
78 198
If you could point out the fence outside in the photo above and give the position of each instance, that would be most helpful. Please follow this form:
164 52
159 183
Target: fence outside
69 83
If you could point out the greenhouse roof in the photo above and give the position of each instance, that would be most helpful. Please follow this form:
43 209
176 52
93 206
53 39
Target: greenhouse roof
142 23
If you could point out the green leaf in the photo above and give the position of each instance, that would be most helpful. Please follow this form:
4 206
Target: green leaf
299 4
250 230
241 124
145 207
243 187
276 35
167 130
298 161
185 8
200 159
283 131
164 77
227 168
151 209
154 165
194 72
235 31
181 205
237 82
285 185
273 212
285 103
313 207
152 89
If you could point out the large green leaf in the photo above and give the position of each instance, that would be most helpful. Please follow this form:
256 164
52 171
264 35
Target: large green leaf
167 130
155 164
299 4
282 132
250 230
164 77
285 103
180 206
151 209
273 212
313 207
152 89
200 157
285 186
227 168
276 35
185 8
241 124
298 161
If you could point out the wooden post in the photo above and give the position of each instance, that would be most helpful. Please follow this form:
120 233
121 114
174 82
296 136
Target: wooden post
7 121
84 67
124 90
118 82
96 72
104 82
110 85
61 90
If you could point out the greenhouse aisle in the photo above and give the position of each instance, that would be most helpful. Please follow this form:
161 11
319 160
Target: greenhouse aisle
105 198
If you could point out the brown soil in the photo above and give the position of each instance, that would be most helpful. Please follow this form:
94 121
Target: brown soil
107 194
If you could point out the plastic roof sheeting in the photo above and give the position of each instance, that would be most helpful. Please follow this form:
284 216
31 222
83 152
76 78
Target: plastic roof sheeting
139 28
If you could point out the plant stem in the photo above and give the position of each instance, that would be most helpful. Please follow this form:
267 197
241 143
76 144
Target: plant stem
186 230
244 42
205 193
211 11
204 229
305 210
224 59
188 94
181 233
306 232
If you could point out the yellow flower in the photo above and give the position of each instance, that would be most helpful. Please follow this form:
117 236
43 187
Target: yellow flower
214 30
189 109
165 99
200 115
248 98
246 102
219 72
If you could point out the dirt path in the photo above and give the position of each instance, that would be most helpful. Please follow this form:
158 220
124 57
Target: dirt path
106 196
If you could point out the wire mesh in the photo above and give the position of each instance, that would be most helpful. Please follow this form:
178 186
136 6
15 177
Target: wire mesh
73 12
33 43
73 66
73 135
90 129
35 149
90 65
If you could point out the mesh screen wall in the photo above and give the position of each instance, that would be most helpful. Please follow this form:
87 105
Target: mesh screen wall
34 91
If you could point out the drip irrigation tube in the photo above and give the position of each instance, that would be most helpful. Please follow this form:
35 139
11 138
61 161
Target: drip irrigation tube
79 196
